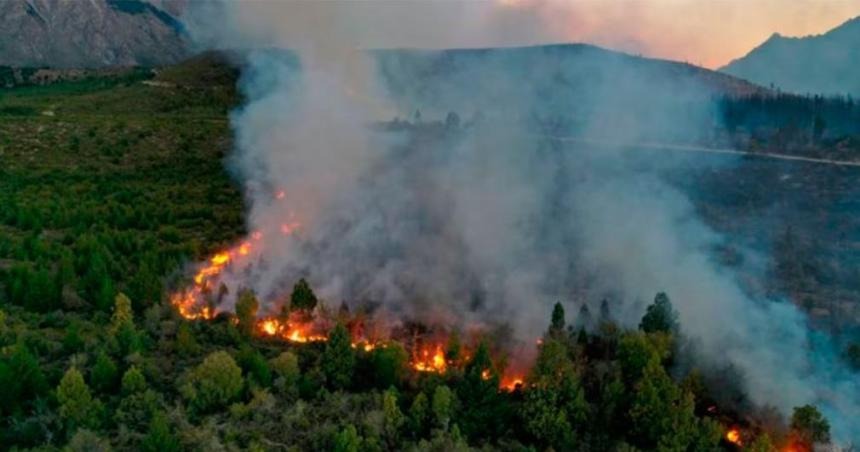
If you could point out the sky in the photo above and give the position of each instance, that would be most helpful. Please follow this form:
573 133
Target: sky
708 33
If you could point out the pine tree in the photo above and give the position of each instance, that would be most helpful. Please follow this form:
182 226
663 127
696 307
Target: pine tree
338 359
133 381
104 373
810 425
160 438
77 406
303 298
392 418
246 312
443 406
660 316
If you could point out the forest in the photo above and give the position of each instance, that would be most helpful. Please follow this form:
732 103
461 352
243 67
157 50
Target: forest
111 186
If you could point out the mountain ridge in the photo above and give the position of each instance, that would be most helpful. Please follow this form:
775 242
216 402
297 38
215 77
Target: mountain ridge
91 34
816 64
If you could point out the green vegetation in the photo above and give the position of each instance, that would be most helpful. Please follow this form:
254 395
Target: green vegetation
104 200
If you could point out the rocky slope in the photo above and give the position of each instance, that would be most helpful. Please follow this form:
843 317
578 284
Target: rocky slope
90 33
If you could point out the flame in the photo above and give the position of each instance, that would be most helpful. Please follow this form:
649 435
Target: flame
733 435
280 195
431 360
270 327
366 345
485 374
511 384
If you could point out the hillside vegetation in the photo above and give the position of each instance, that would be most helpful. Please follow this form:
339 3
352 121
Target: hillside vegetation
110 185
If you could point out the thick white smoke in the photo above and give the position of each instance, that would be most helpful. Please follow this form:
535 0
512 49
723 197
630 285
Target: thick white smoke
494 222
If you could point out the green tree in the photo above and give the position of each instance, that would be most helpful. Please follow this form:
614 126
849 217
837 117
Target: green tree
256 367
338 358
555 405
419 414
302 298
810 425
104 373
390 365
133 381
483 412
347 440
21 379
443 406
762 443
544 418
287 372
392 418
635 351
246 312
77 406
663 414
160 438
215 383
660 316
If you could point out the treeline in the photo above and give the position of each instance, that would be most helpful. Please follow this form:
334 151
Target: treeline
160 383
808 125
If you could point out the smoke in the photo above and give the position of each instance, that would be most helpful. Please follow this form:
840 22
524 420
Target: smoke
485 218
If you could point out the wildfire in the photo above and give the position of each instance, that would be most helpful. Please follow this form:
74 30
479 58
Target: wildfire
192 304
431 361
289 331
511 384
733 435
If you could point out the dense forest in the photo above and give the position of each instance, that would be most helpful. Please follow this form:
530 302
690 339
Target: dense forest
110 186
810 126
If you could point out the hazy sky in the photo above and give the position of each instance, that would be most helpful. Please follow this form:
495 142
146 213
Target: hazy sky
704 32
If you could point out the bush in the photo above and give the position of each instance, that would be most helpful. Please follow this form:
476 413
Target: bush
215 383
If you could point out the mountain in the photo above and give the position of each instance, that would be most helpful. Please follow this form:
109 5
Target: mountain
569 88
90 33
822 64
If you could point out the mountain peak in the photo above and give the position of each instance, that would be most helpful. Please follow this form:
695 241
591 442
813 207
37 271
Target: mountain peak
819 64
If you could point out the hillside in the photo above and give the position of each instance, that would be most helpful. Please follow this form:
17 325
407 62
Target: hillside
89 34
112 184
570 89
822 64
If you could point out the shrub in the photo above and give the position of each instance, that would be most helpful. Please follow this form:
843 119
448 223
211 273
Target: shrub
215 383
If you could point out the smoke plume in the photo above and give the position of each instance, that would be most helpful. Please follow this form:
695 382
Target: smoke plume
486 219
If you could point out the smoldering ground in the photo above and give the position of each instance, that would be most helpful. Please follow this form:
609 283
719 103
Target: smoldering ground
487 219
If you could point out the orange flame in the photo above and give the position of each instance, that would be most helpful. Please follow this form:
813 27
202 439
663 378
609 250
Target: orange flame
430 360
511 383
733 435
